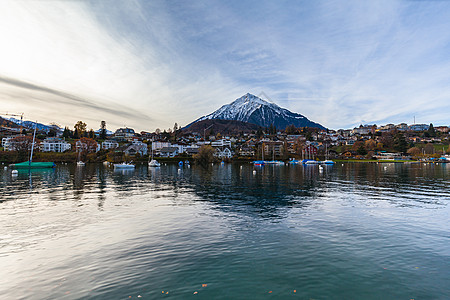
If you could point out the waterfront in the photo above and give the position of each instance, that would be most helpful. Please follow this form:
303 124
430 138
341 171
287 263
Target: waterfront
351 231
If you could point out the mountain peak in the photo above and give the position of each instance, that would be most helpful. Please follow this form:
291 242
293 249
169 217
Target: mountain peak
252 109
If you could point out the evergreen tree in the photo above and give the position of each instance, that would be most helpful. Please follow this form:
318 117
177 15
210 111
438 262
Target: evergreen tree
103 130
361 150
66 133
76 135
400 143
431 131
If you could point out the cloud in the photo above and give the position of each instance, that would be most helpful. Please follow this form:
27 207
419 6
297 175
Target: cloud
153 63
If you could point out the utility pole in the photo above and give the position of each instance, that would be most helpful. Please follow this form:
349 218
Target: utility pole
204 131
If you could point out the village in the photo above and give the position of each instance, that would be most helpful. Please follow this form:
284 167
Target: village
366 142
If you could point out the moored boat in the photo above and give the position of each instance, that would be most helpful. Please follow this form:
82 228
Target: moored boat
154 163
33 165
124 166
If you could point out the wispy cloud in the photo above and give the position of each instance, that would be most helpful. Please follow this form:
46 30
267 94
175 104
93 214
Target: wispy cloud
149 64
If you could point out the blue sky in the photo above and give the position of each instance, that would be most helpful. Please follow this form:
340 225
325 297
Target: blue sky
149 64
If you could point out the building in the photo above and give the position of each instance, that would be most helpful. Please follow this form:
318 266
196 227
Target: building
247 151
363 130
55 144
221 143
273 148
136 148
81 145
169 152
8 142
443 129
158 145
419 127
109 144
402 127
124 134
223 153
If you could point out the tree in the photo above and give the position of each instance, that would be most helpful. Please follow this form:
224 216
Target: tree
400 143
76 135
91 134
22 144
429 149
431 131
361 150
175 127
370 144
205 155
86 145
414 151
103 130
67 133
80 127
387 139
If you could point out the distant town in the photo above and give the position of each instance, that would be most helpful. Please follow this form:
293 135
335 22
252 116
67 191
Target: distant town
366 142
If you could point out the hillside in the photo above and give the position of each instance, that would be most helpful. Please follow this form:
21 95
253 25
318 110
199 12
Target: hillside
221 126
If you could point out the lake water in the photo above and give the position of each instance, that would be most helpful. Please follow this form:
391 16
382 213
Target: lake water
351 231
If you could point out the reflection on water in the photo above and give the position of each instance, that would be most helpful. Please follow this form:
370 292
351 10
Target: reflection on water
345 231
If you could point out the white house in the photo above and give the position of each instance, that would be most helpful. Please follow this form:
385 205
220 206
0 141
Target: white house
158 145
124 134
169 151
221 143
223 153
136 148
109 144
7 143
55 144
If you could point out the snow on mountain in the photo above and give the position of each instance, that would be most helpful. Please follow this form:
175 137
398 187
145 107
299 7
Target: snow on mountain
252 109
31 125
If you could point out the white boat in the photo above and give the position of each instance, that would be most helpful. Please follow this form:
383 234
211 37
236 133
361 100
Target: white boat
311 162
124 166
327 161
79 162
154 163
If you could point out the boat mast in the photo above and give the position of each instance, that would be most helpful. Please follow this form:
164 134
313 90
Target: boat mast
32 145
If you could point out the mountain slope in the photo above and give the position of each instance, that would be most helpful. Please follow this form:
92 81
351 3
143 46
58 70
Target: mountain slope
252 109
221 126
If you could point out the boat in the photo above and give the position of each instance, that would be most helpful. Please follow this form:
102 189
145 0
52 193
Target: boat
33 165
259 162
124 166
327 161
153 162
30 164
79 162
310 162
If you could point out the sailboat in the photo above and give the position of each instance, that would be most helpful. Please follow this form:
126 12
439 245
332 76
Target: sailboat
327 161
153 162
79 162
30 164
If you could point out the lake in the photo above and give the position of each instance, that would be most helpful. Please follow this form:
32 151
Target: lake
349 231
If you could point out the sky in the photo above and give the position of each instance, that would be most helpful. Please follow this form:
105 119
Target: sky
149 64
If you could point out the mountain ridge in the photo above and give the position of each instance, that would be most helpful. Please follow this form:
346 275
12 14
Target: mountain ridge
252 109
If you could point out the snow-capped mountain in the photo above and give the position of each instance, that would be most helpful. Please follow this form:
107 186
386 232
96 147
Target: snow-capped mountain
252 109
31 125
